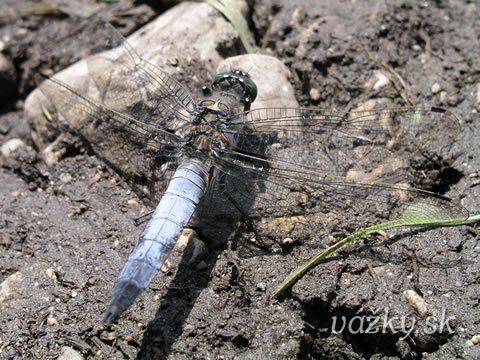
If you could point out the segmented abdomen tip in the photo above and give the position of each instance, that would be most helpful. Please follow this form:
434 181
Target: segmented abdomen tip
112 314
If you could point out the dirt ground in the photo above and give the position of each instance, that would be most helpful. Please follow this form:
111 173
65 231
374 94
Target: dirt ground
66 230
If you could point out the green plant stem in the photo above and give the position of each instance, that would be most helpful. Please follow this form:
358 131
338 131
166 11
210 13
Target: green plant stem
297 274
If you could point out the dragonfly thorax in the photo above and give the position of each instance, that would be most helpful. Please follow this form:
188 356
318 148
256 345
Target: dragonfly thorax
203 138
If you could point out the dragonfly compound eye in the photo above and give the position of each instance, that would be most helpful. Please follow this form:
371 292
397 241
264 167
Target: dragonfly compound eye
226 79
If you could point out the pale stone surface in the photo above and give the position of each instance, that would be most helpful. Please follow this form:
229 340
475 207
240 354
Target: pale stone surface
11 146
10 287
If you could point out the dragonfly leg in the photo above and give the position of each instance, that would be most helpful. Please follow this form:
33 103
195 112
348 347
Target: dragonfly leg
142 218
251 224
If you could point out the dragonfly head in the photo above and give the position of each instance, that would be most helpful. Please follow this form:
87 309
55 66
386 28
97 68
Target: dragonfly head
237 80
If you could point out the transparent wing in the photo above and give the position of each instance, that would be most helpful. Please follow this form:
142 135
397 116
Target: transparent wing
129 83
125 108
300 161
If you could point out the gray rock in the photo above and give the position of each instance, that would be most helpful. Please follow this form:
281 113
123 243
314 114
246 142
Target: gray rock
11 287
11 146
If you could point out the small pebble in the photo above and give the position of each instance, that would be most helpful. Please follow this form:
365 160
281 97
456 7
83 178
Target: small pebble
132 203
53 152
96 178
314 94
475 339
166 266
418 303
444 98
381 81
51 321
416 48
65 178
15 194
187 235
51 274
12 146
129 338
436 88
261 286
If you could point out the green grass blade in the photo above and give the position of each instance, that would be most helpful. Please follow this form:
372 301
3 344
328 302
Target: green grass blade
231 10
418 214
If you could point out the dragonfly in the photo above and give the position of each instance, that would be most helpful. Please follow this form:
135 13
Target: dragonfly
266 162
